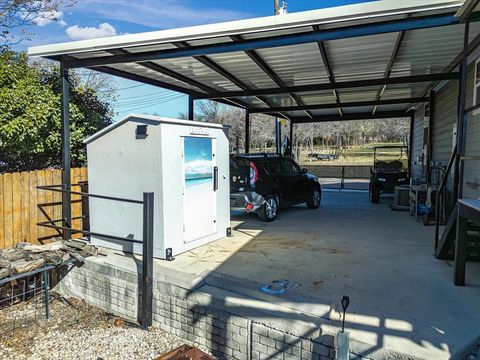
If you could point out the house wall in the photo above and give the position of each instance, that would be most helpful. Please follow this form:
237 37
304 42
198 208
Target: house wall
417 143
444 122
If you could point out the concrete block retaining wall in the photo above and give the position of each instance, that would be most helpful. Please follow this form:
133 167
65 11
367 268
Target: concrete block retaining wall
199 317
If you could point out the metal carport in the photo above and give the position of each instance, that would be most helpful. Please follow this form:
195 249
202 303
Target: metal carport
364 61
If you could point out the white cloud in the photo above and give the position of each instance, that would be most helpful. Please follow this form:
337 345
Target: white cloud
152 13
48 17
77 32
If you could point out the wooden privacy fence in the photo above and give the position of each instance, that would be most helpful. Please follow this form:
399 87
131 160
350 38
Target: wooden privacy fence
22 205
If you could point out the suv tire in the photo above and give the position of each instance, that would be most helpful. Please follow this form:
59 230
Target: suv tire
314 199
268 212
375 194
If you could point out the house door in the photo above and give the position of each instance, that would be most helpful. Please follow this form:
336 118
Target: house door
199 188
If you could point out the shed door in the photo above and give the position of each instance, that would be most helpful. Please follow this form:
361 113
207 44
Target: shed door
199 188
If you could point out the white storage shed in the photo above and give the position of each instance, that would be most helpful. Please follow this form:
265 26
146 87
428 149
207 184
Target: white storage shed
184 163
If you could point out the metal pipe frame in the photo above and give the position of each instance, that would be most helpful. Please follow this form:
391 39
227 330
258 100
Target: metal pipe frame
275 41
342 105
66 154
336 85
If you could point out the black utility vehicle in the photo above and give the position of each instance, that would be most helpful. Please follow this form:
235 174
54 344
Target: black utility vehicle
262 183
389 170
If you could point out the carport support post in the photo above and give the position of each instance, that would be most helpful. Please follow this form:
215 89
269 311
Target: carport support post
430 135
247 131
147 262
462 117
66 161
410 141
278 136
191 107
291 139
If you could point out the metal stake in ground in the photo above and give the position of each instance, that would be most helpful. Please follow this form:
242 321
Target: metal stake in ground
342 337
345 303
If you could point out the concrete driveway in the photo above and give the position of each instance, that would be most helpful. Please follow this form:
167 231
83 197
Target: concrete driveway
402 299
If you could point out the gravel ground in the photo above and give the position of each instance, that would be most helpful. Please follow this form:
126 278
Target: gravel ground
76 330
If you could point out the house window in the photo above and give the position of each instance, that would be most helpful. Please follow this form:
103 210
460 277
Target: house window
476 89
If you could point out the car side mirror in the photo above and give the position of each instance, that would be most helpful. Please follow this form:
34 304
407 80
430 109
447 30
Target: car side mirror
304 171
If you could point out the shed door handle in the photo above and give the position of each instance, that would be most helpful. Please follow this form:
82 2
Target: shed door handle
215 178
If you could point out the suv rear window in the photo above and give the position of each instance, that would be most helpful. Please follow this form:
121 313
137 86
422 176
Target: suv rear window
239 166
273 167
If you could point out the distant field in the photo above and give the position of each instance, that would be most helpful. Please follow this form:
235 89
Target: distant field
352 155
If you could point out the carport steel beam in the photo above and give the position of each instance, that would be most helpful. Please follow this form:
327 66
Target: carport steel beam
352 116
273 41
335 85
339 104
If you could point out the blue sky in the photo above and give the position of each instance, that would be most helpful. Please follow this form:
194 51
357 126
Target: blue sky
97 18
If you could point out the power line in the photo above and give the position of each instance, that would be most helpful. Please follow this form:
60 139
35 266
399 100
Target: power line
152 104
140 99
126 88
156 100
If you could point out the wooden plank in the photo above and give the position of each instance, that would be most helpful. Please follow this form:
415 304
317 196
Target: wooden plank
50 202
75 174
25 196
2 227
17 208
57 196
32 211
41 200
8 209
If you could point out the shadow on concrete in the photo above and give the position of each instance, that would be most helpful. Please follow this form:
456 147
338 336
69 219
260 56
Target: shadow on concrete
402 299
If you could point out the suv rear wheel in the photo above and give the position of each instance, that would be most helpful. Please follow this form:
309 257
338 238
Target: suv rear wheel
374 194
268 211
314 199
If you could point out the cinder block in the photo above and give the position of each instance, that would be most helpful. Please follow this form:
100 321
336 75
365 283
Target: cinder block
239 321
262 349
280 345
260 330
276 334
267 341
239 339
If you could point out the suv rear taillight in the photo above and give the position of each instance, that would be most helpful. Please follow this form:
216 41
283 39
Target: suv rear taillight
253 174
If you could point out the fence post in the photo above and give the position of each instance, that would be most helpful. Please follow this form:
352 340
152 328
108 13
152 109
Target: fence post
342 182
46 286
85 206
147 261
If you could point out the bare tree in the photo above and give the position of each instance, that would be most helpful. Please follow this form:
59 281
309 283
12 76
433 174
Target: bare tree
15 14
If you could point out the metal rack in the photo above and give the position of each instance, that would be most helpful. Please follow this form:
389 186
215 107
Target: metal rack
146 286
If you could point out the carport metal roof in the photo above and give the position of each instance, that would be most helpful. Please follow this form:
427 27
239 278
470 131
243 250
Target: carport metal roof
369 60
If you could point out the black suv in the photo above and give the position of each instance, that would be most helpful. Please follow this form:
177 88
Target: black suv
262 183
